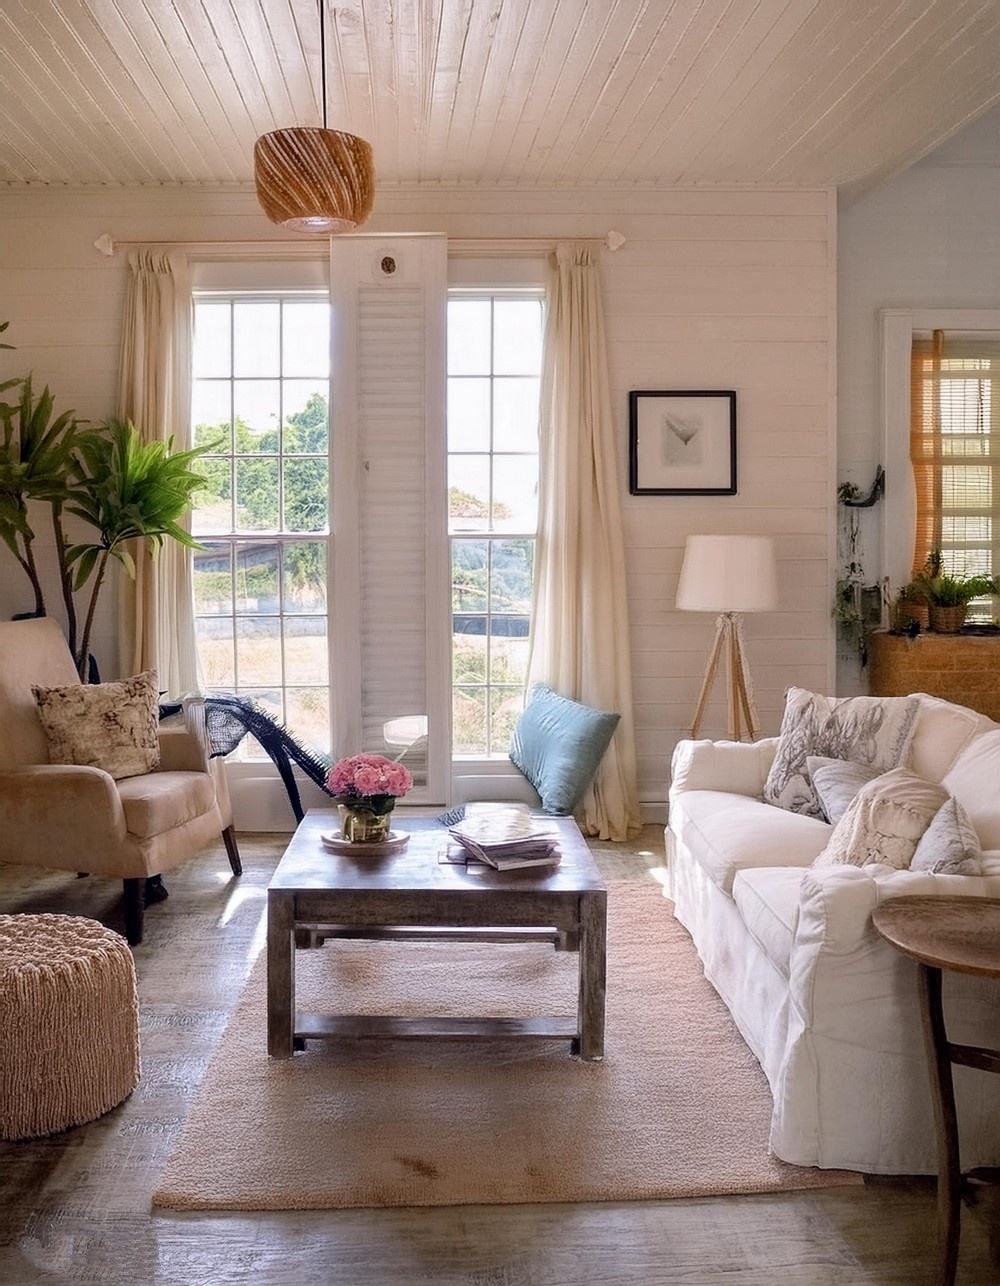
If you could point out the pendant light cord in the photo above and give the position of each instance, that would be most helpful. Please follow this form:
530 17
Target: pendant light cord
322 55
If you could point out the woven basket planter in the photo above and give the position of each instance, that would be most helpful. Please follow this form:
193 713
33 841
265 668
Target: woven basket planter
907 610
947 620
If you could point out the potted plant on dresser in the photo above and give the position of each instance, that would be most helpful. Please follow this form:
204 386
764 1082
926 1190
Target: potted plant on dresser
948 597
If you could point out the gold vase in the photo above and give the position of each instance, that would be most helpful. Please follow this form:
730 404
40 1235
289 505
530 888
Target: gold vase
359 825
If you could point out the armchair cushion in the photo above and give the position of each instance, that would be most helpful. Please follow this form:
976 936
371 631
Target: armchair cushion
112 726
159 801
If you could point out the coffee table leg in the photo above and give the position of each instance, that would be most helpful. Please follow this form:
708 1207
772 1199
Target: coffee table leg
280 975
593 973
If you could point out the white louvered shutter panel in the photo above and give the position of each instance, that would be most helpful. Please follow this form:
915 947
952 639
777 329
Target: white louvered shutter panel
390 564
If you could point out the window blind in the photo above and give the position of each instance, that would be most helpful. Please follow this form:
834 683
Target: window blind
955 452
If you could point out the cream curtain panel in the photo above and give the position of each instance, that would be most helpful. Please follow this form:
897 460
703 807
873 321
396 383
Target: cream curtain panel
580 643
156 621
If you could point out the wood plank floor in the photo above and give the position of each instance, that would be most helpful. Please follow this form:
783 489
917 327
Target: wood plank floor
75 1208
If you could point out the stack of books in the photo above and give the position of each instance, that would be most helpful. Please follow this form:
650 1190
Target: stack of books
505 836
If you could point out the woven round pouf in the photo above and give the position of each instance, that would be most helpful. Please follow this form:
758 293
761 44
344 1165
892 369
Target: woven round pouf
69 1018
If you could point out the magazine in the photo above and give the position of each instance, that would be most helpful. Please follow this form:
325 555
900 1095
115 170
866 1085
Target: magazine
506 836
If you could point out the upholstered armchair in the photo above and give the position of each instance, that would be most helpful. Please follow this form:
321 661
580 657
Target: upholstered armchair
76 817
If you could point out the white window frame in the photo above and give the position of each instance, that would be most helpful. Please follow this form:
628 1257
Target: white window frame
897 327
471 778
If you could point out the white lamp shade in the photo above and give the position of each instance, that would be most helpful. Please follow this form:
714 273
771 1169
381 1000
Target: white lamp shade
728 574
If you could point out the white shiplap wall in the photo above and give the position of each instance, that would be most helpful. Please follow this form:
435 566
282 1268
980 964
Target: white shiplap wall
713 289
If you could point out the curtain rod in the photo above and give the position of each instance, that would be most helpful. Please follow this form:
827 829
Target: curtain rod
462 246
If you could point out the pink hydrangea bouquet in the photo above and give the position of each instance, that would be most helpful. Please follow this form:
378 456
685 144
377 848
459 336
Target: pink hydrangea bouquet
371 782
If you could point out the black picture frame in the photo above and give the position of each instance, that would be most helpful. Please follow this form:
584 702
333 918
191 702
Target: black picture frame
682 442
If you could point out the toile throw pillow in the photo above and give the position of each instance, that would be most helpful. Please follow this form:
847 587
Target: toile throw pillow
884 822
112 726
872 731
949 845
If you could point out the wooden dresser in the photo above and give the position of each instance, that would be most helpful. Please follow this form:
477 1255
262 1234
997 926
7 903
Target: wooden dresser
964 668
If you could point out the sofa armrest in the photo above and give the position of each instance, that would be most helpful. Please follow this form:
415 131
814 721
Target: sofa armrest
740 767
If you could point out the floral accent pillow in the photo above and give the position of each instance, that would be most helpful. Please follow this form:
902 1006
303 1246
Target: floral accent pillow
113 726
872 731
884 822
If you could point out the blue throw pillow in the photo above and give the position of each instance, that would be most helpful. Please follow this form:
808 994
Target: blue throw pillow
558 745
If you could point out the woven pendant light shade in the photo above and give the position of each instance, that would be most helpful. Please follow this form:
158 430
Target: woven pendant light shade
314 180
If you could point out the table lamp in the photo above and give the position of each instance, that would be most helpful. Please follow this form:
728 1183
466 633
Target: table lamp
729 575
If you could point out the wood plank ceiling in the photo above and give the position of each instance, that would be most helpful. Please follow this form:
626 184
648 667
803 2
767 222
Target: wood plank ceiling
495 92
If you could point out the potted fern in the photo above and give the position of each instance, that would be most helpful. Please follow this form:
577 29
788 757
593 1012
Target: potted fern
948 596
122 488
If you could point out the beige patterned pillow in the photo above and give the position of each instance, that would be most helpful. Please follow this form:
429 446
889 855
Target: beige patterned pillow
103 725
884 822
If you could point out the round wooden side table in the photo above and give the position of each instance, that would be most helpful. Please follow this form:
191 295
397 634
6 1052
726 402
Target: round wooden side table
963 934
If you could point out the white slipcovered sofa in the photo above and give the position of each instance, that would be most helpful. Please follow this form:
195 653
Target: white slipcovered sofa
828 1008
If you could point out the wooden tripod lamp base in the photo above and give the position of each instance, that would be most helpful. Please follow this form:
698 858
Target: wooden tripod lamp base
739 686
729 575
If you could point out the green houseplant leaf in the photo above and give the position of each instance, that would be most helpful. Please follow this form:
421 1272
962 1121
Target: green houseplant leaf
126 489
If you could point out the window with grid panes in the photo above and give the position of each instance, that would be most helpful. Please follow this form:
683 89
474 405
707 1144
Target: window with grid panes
955 451
494 367
260 398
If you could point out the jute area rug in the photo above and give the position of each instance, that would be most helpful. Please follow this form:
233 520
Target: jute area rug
678 1108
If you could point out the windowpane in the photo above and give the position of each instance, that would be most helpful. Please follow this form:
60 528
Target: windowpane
469 649
517 339
256 331
469 721
256 579
216 652
306 429
515 493
211 412
306 650
308 712
469 336
469 575
305 339
212 340
256 411
213 502
213 579
510 587
506 705
515 415
258 642
306 494
469 492
304 581
468 414
257 495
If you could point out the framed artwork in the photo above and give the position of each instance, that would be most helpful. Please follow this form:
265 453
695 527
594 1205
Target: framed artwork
682 443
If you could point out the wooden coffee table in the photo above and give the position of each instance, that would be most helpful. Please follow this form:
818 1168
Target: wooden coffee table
316 894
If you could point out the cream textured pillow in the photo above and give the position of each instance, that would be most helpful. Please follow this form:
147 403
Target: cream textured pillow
874 731
950 845
884 822
103 725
